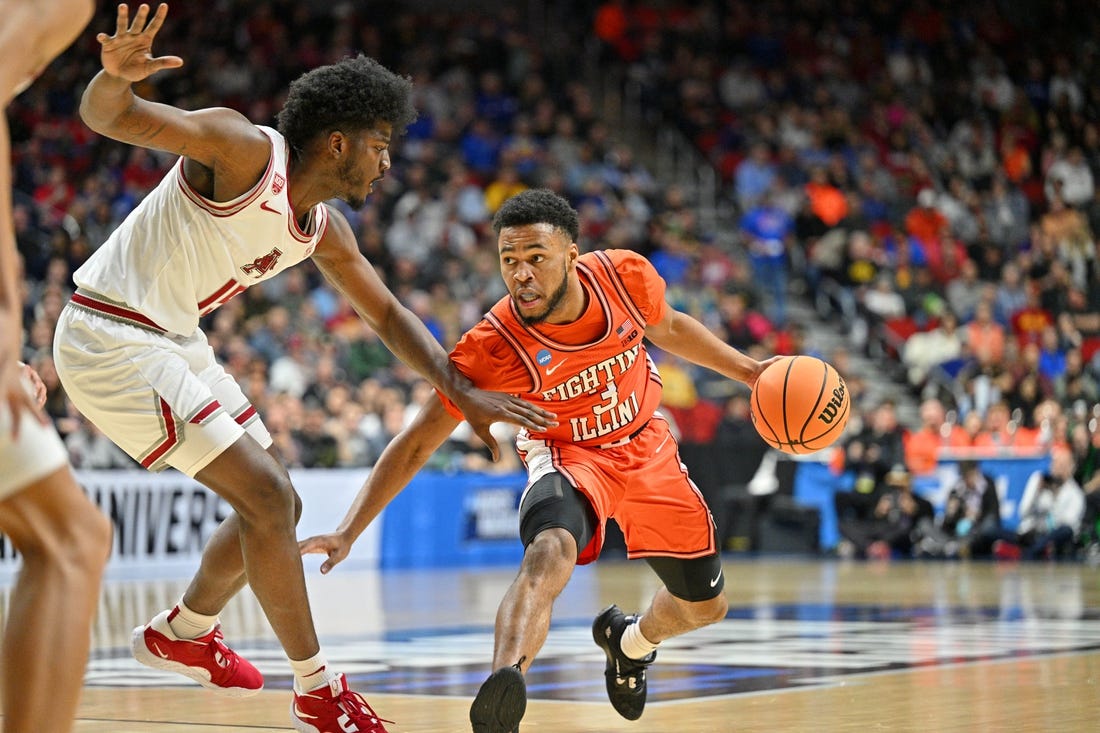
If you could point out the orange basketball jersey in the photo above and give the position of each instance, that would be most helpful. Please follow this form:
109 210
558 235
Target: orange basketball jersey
594 373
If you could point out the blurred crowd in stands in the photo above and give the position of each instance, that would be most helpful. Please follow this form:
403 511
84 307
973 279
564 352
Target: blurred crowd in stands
925 173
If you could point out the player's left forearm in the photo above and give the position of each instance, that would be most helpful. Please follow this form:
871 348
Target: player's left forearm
690 339
405 455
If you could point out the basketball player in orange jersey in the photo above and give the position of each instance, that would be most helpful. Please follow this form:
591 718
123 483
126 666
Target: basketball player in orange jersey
243 203
63 539
569 336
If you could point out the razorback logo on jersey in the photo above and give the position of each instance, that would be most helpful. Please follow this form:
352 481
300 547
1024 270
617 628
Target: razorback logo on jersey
262 265
278 184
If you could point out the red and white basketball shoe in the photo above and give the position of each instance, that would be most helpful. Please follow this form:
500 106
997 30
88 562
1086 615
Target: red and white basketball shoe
207 659
334 709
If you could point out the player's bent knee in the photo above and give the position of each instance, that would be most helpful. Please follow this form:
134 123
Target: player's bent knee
60 528
553 503
86 548
84 542
711 611
271 502
77 550
552 547
99 536
703 613
695 580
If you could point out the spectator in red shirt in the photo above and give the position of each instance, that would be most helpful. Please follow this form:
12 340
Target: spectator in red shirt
54 195
924 221
827 202
1029 322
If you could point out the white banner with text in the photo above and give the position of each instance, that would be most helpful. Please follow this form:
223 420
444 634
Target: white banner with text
162 521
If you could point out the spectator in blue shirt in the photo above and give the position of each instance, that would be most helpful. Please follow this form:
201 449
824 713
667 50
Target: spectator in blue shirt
767 229
754 176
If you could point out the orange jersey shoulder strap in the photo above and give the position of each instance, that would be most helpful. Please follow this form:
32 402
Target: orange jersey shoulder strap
615 280
502 317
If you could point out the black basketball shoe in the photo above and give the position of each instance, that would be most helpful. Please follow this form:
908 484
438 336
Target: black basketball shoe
500 703
625 677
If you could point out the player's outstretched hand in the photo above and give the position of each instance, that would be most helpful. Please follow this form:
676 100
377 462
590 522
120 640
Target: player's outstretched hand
335 545
128 54
481 409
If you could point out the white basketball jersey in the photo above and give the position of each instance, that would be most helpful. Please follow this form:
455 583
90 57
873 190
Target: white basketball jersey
179 256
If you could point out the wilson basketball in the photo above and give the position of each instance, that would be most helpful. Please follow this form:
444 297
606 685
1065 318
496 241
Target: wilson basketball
800 405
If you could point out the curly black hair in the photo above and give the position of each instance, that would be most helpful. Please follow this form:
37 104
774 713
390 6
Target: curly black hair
356 93
538 206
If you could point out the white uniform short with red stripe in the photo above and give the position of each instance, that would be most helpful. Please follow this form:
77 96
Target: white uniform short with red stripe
162 398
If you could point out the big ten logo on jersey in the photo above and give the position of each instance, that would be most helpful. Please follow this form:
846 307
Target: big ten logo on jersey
278 184
627 332
609 410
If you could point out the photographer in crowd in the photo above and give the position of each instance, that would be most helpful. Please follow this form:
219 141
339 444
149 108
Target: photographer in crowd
971 519
1050 514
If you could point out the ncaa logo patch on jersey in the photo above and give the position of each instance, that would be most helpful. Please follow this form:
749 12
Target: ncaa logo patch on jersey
543 357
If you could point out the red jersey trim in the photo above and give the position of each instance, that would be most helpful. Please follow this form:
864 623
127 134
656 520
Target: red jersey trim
620 286
217 294
215 208
532 371
169 442
594 288
319 220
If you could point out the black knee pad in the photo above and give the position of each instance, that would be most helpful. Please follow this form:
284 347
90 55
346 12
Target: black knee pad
553 502
694 580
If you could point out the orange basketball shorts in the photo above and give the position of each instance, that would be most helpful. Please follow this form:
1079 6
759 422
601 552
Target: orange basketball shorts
642 485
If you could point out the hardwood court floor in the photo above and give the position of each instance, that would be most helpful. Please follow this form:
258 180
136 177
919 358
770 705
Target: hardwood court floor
807 646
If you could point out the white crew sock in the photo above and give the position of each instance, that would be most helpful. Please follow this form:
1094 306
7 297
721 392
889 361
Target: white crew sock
634 644
313 673
187 624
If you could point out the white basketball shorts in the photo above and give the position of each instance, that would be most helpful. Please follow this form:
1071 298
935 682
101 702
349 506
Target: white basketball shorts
162 398
35 454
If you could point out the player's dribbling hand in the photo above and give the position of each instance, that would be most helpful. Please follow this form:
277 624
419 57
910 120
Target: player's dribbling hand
128 53
334 545
761 366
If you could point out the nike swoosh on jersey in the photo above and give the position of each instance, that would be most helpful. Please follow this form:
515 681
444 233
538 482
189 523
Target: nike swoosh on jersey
266 207
551 370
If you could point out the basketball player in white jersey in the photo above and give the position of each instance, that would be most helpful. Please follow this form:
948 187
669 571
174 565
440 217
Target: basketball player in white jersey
243 203
63 539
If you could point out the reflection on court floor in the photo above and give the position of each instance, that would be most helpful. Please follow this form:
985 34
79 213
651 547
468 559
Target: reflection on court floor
771 644
832 647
